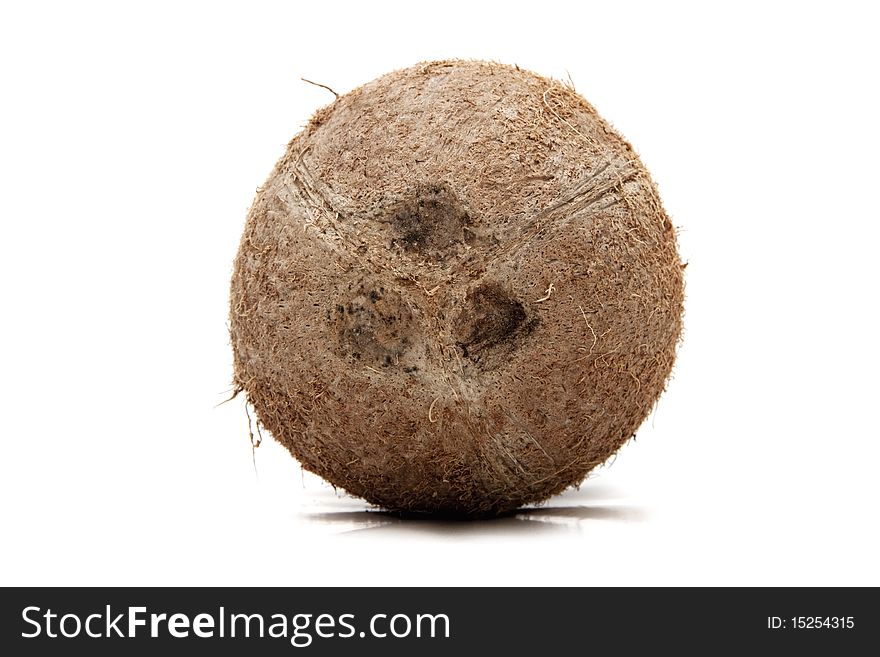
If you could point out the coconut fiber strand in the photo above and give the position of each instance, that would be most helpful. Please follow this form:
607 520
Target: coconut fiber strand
458 291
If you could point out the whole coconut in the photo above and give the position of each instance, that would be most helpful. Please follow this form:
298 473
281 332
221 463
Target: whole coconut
457 292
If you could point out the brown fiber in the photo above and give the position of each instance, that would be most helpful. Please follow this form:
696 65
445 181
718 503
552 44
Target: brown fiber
458 291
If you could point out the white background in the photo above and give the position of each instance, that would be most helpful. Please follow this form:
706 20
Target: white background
132 140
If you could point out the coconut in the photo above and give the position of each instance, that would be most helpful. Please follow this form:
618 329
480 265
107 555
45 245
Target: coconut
458 291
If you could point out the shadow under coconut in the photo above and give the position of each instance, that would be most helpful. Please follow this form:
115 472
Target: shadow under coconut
561 517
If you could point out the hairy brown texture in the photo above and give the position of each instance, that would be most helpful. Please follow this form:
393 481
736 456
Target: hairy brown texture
457 292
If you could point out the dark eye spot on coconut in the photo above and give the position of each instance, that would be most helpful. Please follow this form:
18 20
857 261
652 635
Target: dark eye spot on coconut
491 324
374 326
430 222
